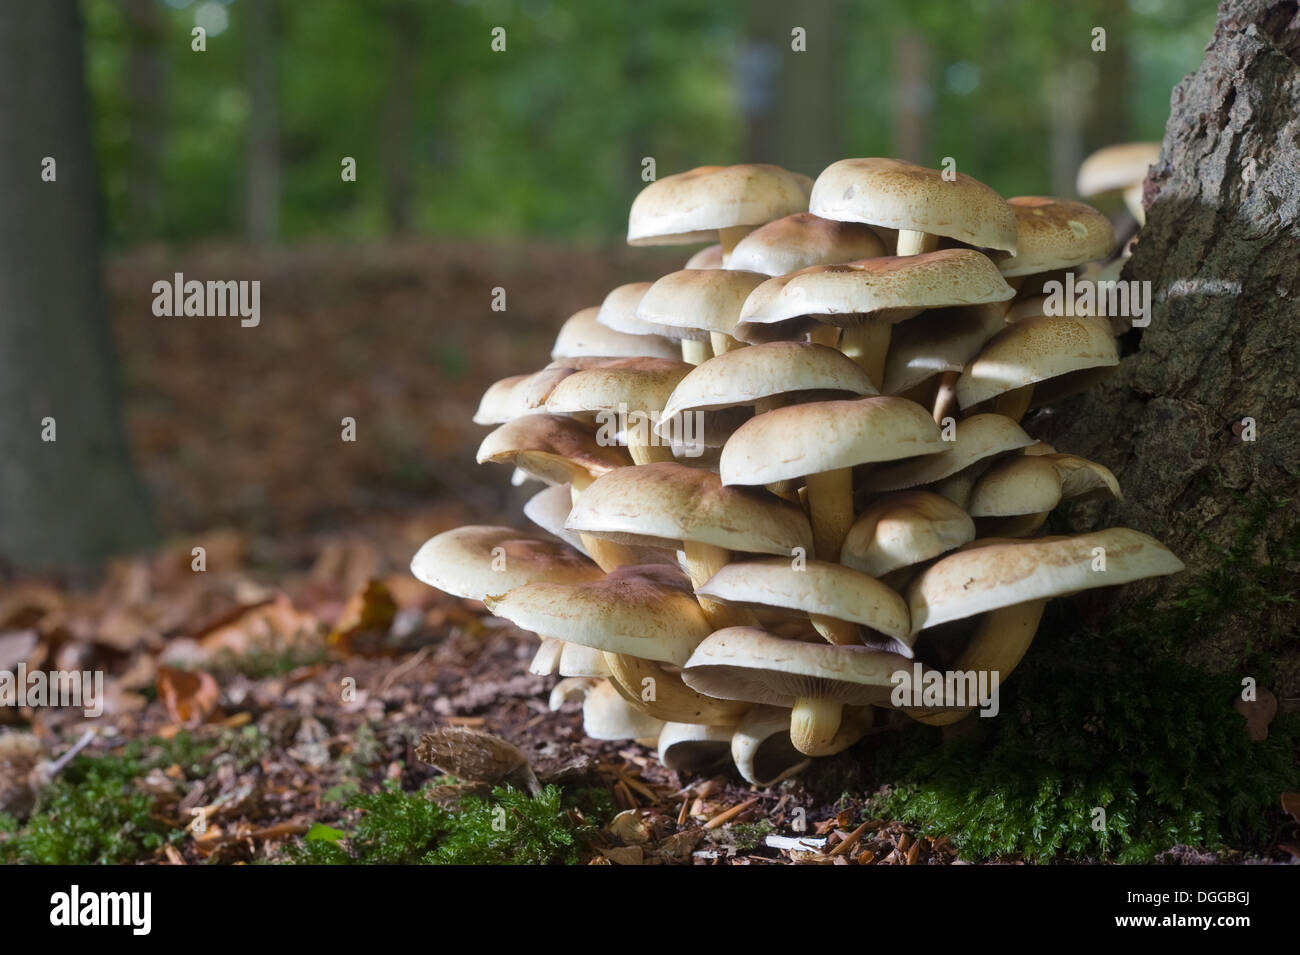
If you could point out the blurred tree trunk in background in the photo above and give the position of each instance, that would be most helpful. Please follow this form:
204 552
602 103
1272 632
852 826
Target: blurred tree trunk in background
147 105
66 503
1221 249
398 119
913 99
262 213
1112 82
789 98
1067 101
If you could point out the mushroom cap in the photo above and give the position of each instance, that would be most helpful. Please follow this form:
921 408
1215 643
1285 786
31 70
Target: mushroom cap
903 529
709 257
692 747
692 206
583 336
1024 484
647 612
518 395
745 663
892 287
553 448
944 339
666 503
902 195
761 747
1116 167
637 386
1033 350
975 438
1081 478
549 509
821 587
693 303
480 560
803 239
744 376
995 573
798 440
1056 234
618 310
606 715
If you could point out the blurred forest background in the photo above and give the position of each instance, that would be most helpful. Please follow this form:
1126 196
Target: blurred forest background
477 169
546 138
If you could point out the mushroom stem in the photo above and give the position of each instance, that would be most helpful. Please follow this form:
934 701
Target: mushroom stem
1002 638
1013 403
839 632
830 508
648 450
998 645
654 690
695 352
722 343
823 334
702 562
814 724
915 243
868 344
945 399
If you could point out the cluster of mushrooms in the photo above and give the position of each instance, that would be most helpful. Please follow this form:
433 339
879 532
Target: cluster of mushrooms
796 468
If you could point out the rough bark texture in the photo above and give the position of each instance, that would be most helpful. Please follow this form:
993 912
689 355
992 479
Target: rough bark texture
1221 249
64 503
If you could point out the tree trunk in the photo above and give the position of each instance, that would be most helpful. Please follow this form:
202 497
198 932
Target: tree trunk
147 107
398 119
782 82
67 502
1221 249
262 215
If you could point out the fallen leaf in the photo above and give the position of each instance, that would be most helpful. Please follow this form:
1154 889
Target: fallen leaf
190 695
365 621
1291 805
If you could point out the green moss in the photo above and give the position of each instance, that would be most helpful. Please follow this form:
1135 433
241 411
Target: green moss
509 828
1121 721
91 814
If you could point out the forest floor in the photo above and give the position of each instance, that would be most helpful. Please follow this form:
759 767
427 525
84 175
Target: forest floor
255 702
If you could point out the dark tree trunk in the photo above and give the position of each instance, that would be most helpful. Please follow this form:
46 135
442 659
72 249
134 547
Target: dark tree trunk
262 215
782 128
398 122
145 83
1221 249
65 503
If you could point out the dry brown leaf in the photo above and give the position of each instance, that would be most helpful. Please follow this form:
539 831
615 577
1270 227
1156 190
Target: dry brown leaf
269 627
1291 805
190 696
364 624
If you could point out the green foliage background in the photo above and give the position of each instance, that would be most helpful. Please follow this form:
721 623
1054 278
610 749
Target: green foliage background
546 138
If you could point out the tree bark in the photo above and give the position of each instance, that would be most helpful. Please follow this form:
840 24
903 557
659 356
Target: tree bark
262 214
782 128
65 503
1221 249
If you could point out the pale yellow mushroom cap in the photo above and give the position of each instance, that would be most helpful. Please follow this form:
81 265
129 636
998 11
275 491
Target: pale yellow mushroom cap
902 195
692 206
